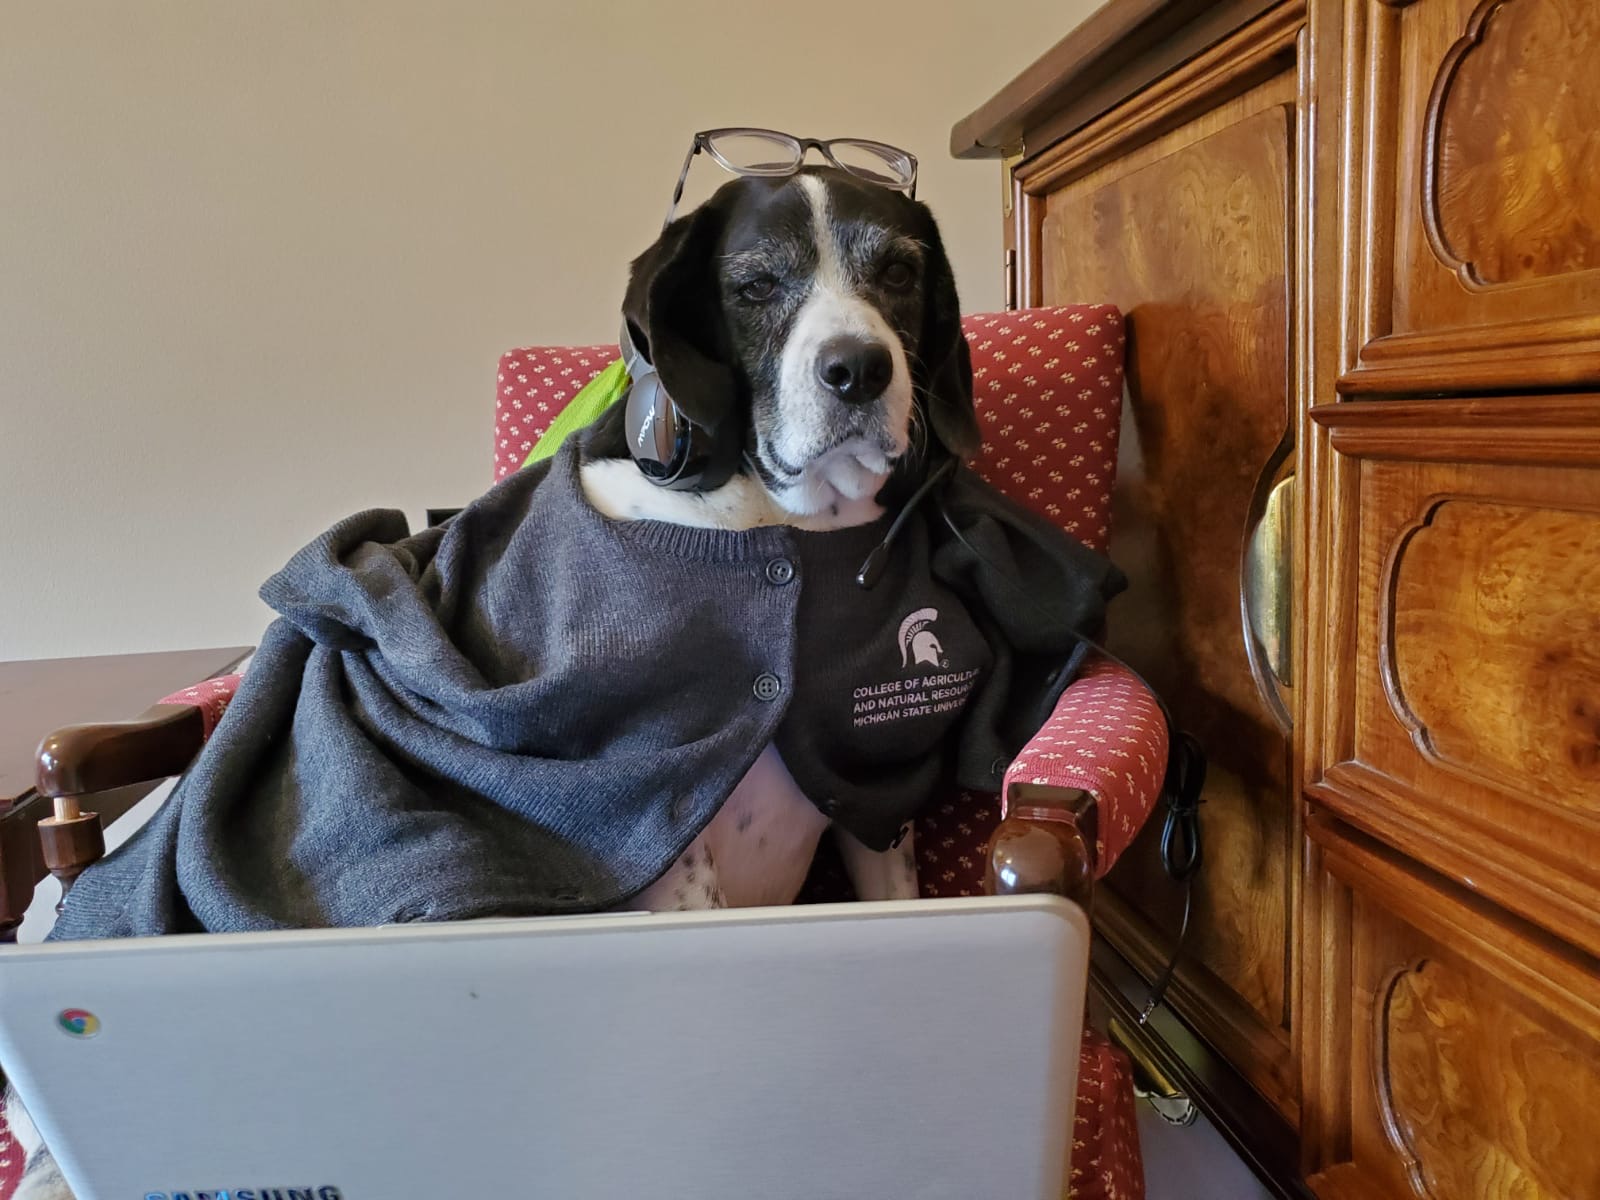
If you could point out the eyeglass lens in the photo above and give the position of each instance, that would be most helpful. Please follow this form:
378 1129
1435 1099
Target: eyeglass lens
874 163
756 153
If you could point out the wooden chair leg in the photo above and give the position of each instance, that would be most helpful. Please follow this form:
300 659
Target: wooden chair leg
21 866
72 840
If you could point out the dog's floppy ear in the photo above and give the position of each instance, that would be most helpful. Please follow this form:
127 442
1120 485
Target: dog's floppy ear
947 390
674 315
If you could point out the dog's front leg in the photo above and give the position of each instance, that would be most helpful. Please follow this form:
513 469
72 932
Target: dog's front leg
689 884
879 875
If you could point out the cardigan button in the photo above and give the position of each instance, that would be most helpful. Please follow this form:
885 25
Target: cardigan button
779 572
767 686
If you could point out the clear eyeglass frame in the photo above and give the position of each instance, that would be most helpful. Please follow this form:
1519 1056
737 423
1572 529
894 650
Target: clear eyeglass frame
767 153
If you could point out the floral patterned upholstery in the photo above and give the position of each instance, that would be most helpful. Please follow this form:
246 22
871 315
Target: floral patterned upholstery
535 385
1106 736
1048 386
210 696
11 1163
1105 1128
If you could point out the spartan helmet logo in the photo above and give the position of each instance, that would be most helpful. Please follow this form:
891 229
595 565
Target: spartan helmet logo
918 643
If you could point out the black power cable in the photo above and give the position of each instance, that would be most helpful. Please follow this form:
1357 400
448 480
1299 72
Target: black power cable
1181 787
1185 777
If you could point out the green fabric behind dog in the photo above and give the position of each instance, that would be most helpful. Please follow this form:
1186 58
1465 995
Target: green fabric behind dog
599 394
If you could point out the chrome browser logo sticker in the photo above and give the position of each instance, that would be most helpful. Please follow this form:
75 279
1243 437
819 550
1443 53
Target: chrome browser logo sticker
79 1022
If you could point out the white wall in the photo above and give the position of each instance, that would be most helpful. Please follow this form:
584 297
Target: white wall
258 260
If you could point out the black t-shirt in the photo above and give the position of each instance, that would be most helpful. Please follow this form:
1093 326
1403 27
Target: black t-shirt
883 678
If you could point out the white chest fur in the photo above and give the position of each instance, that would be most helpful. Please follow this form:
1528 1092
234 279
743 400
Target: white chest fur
618 490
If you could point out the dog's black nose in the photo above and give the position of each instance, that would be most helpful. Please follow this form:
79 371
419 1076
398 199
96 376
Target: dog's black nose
854 369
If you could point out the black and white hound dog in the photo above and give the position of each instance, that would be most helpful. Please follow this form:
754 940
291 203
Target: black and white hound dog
829 295
833 302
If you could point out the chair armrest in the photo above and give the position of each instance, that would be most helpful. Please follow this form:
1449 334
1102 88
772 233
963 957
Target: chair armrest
162 741
1107 741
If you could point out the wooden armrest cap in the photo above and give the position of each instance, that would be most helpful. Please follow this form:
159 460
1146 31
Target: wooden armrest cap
1033 853
81 759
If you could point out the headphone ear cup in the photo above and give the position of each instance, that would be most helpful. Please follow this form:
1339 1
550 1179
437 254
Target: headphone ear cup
657 433
671 450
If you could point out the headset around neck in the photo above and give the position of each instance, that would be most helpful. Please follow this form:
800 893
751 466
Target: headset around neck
669 449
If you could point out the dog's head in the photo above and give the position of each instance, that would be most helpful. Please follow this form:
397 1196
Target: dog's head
818 313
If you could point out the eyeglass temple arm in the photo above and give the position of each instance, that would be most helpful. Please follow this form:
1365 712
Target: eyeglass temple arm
683 178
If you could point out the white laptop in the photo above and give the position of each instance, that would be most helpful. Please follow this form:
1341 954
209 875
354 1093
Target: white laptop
905 1051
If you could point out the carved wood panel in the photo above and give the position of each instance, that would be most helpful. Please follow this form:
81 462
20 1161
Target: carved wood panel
1477 174
1491 655
1511 141
1472 686
1482 1097
1190 240
1473 1048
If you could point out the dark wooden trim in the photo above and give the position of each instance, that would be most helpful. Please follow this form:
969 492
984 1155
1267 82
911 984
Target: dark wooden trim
1122 47
1242 61
157 744
21 865
21 860
1459 848
40 695
1543 430
1046 843
1214 1011
110 756
1254 1129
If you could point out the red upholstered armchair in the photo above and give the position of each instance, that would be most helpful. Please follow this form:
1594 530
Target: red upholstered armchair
1048 385
1049 395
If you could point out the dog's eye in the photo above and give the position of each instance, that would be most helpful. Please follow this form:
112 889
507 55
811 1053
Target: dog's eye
758 290
898 275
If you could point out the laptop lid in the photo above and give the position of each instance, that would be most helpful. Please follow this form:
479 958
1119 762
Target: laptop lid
897 1051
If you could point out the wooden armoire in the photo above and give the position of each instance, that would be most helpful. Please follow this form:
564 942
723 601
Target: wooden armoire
1358 245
